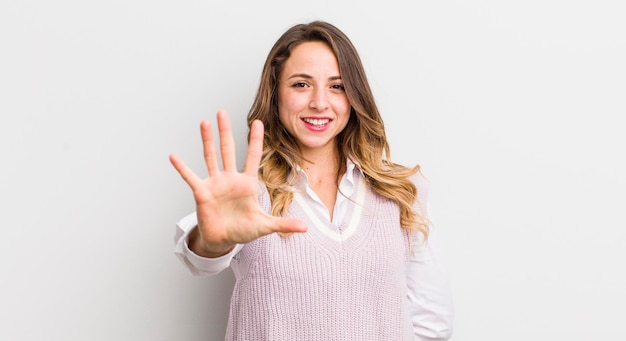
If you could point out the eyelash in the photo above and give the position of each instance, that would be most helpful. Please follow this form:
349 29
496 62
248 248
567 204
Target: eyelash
335 86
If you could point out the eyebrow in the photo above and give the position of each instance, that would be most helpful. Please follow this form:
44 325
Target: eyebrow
307 76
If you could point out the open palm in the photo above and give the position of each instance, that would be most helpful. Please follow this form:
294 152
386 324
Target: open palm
227 200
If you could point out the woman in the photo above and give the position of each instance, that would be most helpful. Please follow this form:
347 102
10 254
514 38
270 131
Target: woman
327 238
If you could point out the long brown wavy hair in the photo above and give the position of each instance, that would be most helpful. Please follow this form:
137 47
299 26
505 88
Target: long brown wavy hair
363 140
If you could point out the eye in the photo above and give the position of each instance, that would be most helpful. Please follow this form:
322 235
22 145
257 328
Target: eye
338 87
299 85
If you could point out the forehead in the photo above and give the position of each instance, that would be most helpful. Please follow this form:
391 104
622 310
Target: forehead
312 55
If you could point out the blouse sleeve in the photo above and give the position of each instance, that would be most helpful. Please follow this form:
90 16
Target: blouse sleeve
197 265
429 292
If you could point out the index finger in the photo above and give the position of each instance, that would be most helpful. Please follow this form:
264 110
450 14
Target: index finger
255 148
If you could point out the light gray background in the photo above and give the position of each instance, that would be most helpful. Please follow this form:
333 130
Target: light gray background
514 109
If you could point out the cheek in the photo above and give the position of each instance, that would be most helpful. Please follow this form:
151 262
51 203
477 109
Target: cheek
283 111
286 114
292 103
342 105
283 118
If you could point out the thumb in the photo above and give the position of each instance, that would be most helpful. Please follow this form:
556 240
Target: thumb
287 225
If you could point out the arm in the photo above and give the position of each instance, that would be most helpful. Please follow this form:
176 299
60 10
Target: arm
429 293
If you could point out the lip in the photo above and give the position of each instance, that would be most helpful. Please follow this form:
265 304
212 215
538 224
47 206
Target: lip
315 127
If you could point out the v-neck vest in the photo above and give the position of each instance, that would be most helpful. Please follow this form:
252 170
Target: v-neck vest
345 283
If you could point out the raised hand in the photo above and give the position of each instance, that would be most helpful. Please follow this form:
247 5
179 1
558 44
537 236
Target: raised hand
227 200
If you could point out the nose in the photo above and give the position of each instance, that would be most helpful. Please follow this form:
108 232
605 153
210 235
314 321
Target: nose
319 100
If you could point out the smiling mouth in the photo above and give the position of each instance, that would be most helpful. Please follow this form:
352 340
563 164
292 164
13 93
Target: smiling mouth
317 122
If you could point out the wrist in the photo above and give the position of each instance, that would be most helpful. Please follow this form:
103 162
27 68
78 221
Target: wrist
198 246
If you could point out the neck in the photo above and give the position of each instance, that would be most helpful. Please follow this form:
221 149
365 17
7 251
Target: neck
323 171
323 165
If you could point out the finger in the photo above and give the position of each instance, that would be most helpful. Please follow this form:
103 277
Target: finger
287 225
227 143
255 148
185 172
208 147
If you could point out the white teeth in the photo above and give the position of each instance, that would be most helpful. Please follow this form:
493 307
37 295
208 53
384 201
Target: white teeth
317 122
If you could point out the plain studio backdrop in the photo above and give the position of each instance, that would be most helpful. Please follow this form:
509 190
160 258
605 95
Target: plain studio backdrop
515 110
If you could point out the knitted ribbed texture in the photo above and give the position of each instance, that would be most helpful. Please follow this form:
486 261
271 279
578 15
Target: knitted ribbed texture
322 284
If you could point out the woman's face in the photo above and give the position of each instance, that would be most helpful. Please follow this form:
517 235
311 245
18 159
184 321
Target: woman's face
312 102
